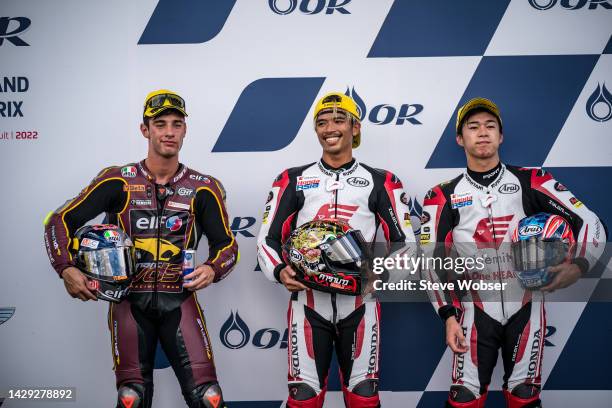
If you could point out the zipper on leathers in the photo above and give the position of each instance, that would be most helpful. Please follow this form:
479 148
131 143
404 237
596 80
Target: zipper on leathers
333 295
501 292
160 214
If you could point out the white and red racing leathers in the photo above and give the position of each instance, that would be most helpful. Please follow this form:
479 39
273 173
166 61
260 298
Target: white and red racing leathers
475 219
365 198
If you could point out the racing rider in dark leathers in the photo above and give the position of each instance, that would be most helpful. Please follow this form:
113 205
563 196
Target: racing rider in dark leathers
337 186
475 214
164 207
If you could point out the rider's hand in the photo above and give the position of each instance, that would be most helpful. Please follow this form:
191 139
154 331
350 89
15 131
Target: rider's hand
201 277
77 284
454 336
564 275
287 275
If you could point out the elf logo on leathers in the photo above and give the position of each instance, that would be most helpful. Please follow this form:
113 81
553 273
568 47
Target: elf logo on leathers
146 223
570 4
284 7
385 114
11 27
235 334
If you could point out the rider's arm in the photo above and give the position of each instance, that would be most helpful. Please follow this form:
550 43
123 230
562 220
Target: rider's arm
211 215
437 225
104 194
545 194
279 218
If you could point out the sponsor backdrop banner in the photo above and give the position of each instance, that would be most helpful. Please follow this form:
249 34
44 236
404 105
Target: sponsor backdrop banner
72 81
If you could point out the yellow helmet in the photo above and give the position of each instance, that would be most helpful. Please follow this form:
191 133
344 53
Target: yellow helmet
160 100
337 100
477 103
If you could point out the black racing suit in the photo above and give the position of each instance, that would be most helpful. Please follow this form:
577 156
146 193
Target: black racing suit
161 221
475 215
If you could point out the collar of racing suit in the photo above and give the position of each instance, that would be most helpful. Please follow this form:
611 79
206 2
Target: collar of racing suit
484 180
180 173
485 177
345 169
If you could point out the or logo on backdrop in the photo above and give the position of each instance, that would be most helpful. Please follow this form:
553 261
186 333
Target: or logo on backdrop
385 114
570 4
599 104
550 331
235 334
6 313
242 225
284 7
11 28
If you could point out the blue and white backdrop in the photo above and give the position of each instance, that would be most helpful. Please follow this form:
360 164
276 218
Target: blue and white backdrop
72 80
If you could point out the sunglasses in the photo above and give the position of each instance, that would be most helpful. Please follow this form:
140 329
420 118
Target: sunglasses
158 101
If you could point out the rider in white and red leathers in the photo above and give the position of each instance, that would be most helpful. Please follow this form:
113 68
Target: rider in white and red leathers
475 214
365 198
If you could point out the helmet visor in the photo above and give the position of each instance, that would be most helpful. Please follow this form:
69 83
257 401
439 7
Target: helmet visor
534 253
346 249
110 264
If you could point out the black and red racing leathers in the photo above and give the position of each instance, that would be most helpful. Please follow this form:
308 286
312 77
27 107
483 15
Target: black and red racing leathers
161 221
474 216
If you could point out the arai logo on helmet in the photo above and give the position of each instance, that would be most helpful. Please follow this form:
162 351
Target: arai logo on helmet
530 230
295 255
174 223
358 182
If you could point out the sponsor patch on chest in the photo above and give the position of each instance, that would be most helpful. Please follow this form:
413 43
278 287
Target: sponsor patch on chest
307 182
461 200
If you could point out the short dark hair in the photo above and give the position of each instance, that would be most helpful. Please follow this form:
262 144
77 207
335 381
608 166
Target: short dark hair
165 112
474 112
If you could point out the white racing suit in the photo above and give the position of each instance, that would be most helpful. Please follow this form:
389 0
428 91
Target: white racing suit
318 321
473 220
